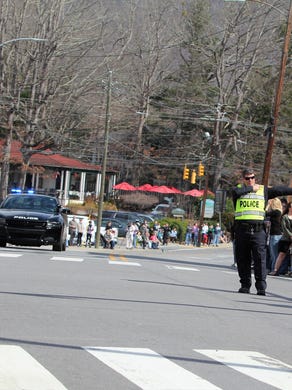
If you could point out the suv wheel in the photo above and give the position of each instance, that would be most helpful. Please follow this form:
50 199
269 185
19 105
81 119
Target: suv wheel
2 244
60 245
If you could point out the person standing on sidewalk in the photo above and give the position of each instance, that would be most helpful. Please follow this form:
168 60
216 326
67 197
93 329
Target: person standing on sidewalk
274 214
81 230
217 234
72 230
250 200
285 241
89 232
130 235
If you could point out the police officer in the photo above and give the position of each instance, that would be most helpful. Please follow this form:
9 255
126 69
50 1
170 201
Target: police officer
250 201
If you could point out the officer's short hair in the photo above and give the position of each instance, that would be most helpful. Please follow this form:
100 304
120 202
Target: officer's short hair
247 171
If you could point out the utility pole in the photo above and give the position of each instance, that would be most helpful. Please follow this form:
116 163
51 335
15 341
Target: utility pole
275 117
104 160
274 120
215 141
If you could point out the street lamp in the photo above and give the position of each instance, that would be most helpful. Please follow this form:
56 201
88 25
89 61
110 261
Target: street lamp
279 91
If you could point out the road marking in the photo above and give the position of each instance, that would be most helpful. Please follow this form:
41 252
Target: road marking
224 256
60 258
149 370
10 255
254 364
182 268
117 262
19 370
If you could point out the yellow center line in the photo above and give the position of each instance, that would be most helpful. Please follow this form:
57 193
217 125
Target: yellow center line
123 258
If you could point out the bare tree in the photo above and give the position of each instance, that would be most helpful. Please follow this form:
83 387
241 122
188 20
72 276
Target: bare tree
226 56
46 85
149 60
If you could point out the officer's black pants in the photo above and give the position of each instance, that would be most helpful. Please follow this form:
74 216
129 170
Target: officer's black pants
251 246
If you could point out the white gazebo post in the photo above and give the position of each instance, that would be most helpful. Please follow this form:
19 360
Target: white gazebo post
82 186
37 180
112 182
62 184
97 184
66 187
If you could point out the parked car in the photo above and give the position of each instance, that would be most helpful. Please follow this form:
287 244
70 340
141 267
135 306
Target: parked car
146 217
33 220
163 210
128 216
109 214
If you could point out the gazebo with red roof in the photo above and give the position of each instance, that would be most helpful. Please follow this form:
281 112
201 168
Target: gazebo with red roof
52 172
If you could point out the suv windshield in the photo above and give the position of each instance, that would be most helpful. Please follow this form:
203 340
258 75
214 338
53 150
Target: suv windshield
25 202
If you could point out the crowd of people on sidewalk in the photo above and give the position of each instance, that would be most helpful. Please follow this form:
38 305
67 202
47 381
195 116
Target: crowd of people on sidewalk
157 235
139 235
206 235
146 236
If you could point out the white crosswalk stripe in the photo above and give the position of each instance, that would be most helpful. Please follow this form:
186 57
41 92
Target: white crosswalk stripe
256 365
145 368
63 258
149 370
115 262
14 255
179 268
19 370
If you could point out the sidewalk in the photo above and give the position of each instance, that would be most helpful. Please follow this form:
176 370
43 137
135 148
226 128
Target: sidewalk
162 248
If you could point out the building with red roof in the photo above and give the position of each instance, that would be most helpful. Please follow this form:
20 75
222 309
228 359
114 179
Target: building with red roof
50 172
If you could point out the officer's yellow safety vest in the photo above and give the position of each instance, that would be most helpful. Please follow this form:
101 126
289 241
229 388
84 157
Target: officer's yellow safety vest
251 206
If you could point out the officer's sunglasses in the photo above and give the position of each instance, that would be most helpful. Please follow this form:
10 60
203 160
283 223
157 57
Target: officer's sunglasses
249 178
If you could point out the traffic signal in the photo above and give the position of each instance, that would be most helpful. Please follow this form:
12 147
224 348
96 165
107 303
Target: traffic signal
201 169
193 177
186 173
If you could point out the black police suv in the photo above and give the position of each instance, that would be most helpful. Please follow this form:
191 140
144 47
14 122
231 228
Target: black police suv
33 220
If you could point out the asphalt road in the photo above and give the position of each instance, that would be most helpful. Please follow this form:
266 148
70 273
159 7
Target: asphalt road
88 319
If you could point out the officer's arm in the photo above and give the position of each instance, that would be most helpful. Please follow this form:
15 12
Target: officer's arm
239 191
273 192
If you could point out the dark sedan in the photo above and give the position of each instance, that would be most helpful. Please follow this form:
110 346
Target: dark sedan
33 220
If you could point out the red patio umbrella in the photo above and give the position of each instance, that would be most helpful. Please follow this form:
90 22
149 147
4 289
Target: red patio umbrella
162 189
175 190
124 186
194 192
145 187
197 193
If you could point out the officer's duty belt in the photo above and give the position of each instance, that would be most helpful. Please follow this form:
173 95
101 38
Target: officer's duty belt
250 226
